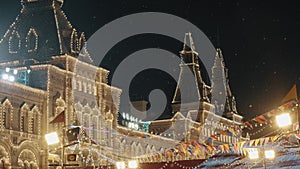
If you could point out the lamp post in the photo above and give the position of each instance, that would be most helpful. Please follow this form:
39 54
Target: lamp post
52 138
132 164
255 153
283 120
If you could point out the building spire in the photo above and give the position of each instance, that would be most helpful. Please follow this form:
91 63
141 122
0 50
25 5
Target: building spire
218 83
221 86
188 42
191 89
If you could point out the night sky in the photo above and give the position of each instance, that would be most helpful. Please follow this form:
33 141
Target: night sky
259 40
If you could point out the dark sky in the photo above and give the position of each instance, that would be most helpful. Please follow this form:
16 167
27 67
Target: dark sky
259 39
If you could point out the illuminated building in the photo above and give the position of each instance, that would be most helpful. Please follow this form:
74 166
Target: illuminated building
50 75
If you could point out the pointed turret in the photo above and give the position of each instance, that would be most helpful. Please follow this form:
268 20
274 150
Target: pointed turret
222 98
191 90
218 83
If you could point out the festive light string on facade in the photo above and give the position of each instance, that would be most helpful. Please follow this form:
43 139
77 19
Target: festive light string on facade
262 119
238 147
11 46
31 33
290 106
187 151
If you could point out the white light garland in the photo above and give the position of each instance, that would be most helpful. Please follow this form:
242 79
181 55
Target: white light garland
31 33
13 48
74 42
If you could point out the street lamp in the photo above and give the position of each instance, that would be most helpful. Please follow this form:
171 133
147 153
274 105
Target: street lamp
268 154
52 138
132 164
283 120
121 165
253 153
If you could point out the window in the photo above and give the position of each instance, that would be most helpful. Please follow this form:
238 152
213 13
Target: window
35 121
31 125
22 123
74 85
14 43
74 42
90 88
32 40
7 114
4 119
79 86
81 41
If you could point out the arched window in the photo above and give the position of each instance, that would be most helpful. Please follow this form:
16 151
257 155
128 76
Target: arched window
89 88
35 120
32 40
7 114
74 84
24 112
31 123
14 43
74 42
79 85
94 126
81 42
4 114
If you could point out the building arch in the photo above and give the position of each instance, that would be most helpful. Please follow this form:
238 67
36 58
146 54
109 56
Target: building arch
36 120
14 42
81 42
27 159
148 149
7 114
28 154
96 111
74 42
78 107
139 149
32 40
153 149
24 114
5 159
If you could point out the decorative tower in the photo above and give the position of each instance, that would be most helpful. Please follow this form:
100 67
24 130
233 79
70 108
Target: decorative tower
40 31
218 83
230 104
191 91
222 98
